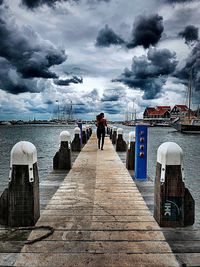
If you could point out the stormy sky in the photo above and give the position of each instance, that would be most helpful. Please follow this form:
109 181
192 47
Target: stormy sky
99 55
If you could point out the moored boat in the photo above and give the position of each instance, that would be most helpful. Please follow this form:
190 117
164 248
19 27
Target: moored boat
190 125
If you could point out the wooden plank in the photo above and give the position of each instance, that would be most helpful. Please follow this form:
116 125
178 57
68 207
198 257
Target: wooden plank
100 219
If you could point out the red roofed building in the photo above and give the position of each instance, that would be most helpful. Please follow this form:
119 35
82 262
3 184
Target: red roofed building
179 111
158 114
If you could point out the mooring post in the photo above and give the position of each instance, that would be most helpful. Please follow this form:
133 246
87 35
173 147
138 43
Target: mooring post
108 130
173 203
20 201
87 132
130 155
90 130
80 125
141 152
114 135
62 159
76 143
120 143
84 136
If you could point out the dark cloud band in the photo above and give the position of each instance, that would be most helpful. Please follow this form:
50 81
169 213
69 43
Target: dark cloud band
33 4
67 82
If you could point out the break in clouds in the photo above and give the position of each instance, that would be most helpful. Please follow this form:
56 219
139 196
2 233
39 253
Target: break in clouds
149 73
147 31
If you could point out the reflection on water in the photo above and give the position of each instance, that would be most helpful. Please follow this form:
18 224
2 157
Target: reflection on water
46 140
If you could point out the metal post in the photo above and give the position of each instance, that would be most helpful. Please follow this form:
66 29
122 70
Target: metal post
141 152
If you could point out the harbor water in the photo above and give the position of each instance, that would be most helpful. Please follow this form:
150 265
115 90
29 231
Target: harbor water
46 140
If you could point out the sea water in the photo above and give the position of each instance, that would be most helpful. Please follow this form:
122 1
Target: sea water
46 140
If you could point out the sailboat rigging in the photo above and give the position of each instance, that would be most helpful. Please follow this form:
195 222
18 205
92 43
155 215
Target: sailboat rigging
189 123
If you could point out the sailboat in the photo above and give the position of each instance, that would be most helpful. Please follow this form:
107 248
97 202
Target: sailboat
189 123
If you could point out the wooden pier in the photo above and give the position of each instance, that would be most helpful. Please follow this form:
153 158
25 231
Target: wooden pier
100 219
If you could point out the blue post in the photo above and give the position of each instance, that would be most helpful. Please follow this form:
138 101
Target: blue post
80 126
141 152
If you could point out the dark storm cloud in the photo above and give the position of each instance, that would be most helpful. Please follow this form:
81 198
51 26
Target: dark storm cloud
113 95
32 4
107 37
149 73
26 51
190 34
146 31
67 82
11 82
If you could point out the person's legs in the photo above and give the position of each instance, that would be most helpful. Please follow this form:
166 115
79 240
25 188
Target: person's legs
99 138
103 137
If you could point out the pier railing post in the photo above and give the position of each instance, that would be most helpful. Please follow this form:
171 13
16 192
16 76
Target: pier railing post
108 130
62 159
120 143
90 130
76 143
130 155
22 195
173 203
114 135
87 132
80 125
84 135
141 136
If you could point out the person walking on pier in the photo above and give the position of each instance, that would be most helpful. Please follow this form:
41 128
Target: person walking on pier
101 131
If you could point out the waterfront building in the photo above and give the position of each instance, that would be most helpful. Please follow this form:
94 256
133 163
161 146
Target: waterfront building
155 115
179 111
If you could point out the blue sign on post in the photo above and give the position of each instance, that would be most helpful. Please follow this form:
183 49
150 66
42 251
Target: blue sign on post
141 152
80 126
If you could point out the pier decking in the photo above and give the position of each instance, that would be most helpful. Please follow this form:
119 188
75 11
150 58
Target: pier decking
100 219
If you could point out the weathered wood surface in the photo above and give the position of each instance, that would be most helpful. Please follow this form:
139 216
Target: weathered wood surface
11 242
100 219
184 241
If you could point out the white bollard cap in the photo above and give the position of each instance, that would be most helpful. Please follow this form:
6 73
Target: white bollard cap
77 130
131 136
84 128
65 136
23 153
114 128
119 131
169 153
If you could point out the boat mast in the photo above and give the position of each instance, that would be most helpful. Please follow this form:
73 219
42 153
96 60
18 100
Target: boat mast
190 93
